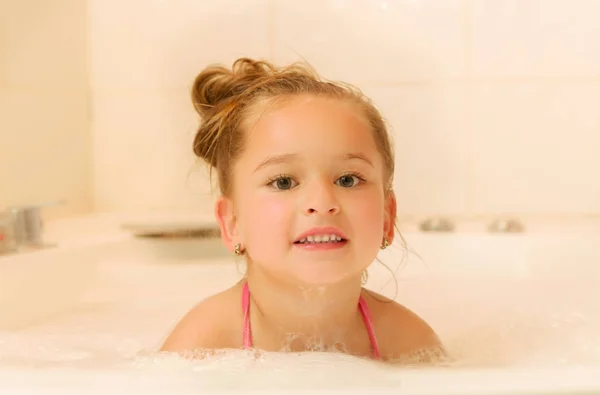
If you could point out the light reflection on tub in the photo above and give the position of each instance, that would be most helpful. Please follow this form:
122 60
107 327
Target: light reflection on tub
497 301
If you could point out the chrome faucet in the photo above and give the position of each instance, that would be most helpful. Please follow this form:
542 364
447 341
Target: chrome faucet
21 226
510 225
437 225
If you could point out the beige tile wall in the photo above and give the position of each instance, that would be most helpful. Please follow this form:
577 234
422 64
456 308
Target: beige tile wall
144 56
492 103
45 144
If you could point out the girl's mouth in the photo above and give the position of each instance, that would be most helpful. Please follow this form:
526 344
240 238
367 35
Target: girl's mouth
321 242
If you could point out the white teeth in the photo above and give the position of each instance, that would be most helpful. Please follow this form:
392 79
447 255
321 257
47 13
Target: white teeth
320 239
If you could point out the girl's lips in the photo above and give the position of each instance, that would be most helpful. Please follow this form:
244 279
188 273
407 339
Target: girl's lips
321 246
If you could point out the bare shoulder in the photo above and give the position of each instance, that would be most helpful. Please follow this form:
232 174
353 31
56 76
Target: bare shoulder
206 326
403 336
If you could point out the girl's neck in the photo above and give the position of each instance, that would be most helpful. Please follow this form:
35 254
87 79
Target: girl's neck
327 314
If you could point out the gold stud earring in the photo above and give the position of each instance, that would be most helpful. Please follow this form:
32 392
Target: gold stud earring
385 244
238 250
364 277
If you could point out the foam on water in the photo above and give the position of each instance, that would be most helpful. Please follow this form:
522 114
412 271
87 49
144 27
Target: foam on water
483 323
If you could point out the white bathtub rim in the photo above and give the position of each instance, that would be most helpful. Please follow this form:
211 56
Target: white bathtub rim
414 381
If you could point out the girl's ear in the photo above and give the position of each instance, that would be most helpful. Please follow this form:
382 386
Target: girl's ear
227 222
389 216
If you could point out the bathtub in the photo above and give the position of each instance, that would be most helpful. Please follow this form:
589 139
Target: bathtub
519 313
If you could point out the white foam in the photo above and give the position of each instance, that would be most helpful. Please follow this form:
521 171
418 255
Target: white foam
483 323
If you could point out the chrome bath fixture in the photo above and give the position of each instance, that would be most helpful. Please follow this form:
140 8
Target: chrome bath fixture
509 225
437 225
22 226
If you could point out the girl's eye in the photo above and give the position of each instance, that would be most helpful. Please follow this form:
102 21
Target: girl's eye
282 183
348 181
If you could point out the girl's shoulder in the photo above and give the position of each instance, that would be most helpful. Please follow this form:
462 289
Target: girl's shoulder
401 333
215 322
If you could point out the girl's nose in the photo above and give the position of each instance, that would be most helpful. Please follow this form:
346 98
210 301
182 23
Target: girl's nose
322 200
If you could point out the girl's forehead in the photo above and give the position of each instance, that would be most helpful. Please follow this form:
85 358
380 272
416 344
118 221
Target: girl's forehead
311 124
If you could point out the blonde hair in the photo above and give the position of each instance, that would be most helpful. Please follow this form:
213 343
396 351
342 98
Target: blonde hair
225 99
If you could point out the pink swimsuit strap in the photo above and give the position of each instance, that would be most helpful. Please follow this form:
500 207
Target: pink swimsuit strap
362 306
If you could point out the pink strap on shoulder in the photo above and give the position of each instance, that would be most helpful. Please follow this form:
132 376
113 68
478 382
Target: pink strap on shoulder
366 314
246 331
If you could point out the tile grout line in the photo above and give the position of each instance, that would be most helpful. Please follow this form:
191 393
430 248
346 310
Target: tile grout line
468 103
90 107
271 33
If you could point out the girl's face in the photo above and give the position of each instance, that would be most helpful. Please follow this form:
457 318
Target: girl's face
310 170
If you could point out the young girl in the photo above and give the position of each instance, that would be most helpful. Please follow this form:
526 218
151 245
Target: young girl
305 169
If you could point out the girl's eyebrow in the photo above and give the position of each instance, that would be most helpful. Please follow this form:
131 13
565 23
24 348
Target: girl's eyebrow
278 159
358 155
273 160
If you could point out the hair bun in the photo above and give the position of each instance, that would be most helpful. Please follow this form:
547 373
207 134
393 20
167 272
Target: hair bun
217 84
218 94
